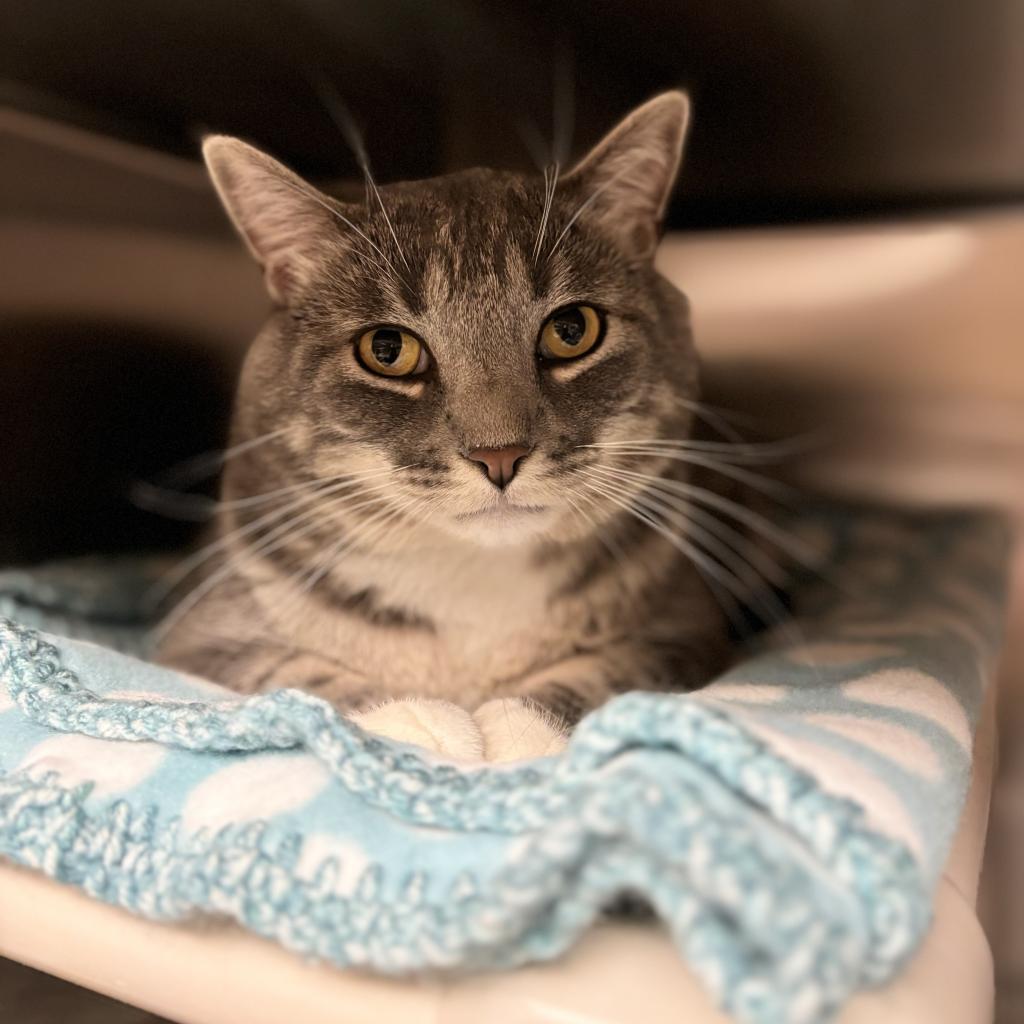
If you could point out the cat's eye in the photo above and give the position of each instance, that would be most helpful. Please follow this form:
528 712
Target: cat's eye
392 352
570 333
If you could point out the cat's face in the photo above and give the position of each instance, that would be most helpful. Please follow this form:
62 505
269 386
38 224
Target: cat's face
466 346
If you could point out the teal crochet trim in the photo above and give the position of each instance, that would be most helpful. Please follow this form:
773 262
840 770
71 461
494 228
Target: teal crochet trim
846 904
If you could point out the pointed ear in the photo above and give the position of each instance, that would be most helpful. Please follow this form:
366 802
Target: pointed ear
283 219
627 178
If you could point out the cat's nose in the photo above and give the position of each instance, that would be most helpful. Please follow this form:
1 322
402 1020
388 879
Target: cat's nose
500 463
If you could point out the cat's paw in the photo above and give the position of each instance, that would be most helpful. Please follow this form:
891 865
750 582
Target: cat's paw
514 729
438 725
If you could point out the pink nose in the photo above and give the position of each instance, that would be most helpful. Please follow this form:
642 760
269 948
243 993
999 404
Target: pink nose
500 463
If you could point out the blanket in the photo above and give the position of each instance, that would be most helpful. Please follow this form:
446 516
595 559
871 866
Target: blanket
787 824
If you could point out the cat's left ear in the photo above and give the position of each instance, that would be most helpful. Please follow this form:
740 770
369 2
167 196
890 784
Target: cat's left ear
627 178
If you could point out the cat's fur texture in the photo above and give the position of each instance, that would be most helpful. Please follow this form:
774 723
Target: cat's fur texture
360 554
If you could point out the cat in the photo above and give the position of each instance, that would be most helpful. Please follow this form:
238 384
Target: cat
459 462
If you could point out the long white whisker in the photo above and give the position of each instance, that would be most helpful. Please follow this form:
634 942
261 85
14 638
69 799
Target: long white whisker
275 539
672 509
788 543
743 571
312 485
697 558
199 507
769 451
186 566
344 122
387 220
313 197
363 533
583 207
780 492
205 464
572 496
739 543
741 579
159 591
550 183
714 418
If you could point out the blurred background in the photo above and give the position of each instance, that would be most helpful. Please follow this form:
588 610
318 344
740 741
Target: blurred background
849 226
804 110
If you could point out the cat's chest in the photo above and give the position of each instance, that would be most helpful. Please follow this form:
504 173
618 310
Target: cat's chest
445 622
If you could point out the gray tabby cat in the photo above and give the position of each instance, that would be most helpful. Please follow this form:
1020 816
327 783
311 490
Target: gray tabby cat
446 482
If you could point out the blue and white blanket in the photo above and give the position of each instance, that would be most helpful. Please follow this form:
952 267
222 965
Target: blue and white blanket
788 823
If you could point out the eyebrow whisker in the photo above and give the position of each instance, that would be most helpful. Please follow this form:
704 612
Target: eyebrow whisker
550 184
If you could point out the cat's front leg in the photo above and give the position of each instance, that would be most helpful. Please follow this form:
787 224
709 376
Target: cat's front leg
254 666
436 725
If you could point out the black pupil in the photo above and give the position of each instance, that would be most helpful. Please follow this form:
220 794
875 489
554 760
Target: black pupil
570 326
386 346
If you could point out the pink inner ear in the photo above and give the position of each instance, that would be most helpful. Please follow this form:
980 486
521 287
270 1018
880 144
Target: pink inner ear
280 280
643 238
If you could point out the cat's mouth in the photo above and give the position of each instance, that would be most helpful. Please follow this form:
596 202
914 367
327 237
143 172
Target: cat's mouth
501 510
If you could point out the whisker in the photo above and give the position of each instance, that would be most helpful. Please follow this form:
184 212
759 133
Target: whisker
206 464
346 125
200 508
665 506
739 543
533 141
161 589
781 492
313 197
339 113
758 587
793 546
731 601
746 548
274 541
717 418
268 496
768 451
182 505
572 495
363 533
550 183
583 207
744 584
563 104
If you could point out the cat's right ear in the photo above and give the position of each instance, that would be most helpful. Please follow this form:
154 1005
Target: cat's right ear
283 219
627 178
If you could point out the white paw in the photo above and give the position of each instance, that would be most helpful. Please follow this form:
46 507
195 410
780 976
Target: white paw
514 729
438 725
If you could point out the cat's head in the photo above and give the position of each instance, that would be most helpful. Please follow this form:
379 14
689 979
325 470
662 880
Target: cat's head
466 346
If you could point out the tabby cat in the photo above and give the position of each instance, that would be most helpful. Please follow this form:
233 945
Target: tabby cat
459 478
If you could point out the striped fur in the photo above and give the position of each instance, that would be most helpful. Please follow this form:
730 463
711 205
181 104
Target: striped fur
381 561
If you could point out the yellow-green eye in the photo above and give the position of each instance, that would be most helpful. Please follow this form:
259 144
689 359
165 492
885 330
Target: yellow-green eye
392 352
570 332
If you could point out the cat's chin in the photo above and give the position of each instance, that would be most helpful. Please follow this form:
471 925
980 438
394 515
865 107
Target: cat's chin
504 525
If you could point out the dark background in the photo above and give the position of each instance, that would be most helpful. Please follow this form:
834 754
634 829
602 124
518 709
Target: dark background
805 109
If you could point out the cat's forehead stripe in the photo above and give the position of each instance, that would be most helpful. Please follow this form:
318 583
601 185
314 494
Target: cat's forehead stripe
496 276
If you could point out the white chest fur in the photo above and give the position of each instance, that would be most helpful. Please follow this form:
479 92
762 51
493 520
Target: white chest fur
490 610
